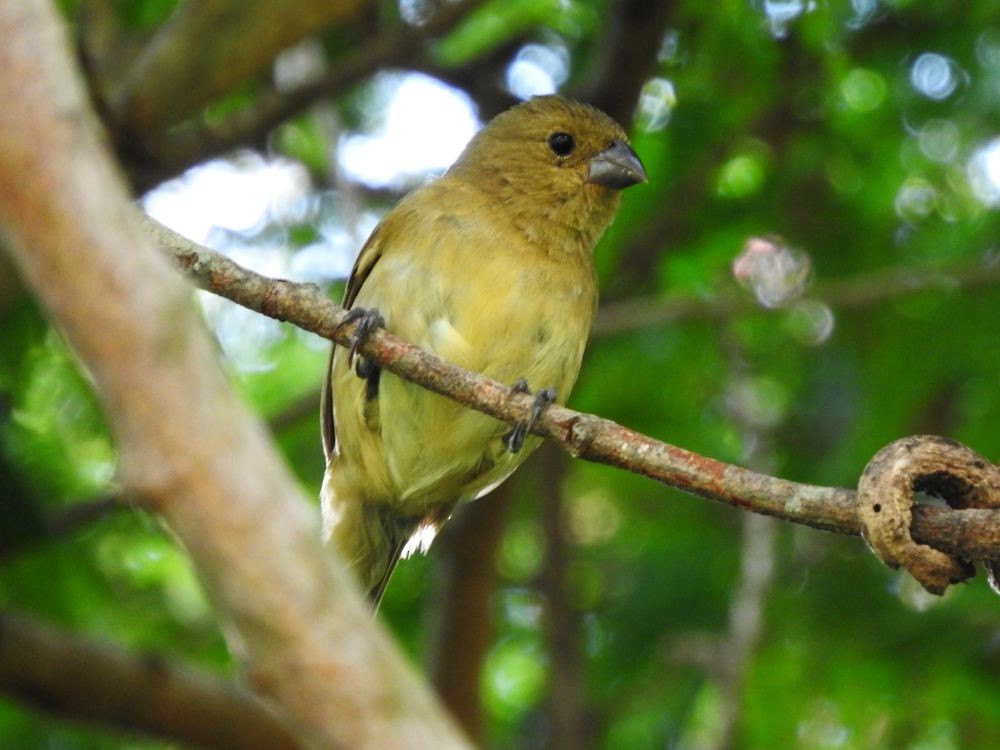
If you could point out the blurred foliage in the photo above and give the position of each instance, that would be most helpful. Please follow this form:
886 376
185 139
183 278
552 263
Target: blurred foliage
859 133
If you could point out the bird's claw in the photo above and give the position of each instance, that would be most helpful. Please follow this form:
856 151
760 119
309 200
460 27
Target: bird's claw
368 319
514 439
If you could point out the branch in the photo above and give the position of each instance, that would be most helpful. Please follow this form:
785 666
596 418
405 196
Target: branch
188 447
565 705
463 627
855 293
734 651
746 624
208 48
174 152
935 466
970 534
74 678
626 55
64 523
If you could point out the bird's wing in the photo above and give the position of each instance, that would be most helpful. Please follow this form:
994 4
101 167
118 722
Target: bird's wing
363 266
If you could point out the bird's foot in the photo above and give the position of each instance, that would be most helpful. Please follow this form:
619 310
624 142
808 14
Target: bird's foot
368 319
514 439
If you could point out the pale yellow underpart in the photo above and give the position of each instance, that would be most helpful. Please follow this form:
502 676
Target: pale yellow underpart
416 451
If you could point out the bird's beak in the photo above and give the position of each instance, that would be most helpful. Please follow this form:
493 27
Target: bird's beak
617 167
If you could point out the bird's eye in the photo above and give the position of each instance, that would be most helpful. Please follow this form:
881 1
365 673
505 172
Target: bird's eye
562 144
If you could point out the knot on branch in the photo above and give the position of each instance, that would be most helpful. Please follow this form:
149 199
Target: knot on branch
578 435
932 466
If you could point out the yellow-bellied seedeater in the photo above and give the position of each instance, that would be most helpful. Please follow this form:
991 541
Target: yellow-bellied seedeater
489 267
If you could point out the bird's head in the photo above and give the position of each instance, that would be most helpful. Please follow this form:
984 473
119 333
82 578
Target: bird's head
553 162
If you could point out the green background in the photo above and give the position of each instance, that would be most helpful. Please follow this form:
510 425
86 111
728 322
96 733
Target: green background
616 604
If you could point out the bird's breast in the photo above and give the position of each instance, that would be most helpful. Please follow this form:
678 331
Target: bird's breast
517 320
500 309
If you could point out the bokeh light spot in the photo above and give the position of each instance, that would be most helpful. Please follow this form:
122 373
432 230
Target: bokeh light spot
939 141
863 90
538 69
241 194
424 128
983 173
988 48
811 322
935 76
759 402
741 176
776 273
781 14
656 103
916 199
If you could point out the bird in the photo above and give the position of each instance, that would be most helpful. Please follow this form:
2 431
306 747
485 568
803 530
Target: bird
491 267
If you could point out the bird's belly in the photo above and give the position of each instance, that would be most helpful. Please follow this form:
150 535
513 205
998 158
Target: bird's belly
438 451
507 321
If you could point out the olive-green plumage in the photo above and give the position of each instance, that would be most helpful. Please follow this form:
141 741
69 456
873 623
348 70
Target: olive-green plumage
489 267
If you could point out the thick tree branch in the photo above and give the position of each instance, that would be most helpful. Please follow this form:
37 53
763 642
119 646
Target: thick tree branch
188 447
84 680
971 534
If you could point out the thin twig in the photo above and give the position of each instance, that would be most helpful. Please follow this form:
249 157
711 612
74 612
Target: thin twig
854 293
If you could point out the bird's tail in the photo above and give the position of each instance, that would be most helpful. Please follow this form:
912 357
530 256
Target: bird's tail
405 535
360 533
376 592
371 538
